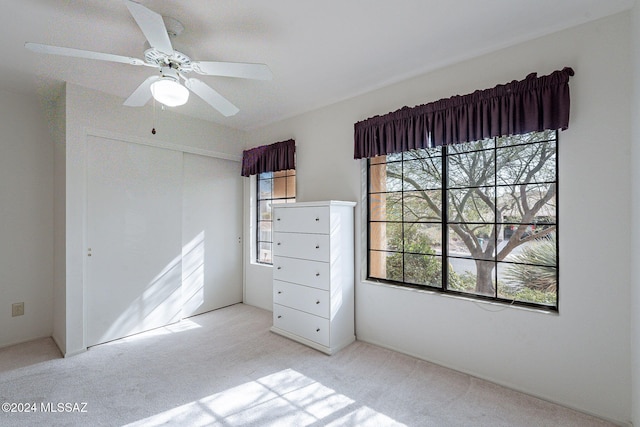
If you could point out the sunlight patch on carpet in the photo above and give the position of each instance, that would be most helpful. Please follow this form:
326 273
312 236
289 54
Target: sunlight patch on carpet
283 398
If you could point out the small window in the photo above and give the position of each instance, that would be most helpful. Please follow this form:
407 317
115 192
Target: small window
272 188
477 219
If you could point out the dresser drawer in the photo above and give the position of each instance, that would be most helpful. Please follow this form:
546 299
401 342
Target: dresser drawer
304 298
303 324
310 273
314 247
313 219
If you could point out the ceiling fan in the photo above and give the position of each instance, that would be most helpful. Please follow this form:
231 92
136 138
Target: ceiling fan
172 65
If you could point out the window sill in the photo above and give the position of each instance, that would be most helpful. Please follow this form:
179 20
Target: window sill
492 306
261 264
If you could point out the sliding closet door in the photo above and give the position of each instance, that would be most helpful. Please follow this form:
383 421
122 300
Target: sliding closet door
134 246
212 230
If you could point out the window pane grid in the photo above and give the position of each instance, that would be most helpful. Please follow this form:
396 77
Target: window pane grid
272 188
496 213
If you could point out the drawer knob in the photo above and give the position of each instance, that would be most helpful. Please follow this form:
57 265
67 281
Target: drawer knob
279 268
317 274
279 317
317 302
317 219
318 330
279 292
277 219
278 243
317 246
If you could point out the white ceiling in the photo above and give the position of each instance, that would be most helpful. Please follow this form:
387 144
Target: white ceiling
320 52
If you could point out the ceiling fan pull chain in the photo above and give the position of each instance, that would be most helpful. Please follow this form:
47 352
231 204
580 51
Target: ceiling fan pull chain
153 120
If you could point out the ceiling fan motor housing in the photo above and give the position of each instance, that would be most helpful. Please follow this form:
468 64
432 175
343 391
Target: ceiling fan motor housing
170 73
177 59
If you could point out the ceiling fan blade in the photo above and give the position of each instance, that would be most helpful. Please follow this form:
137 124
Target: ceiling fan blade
142 94
152 26
211 97
67 51
233 69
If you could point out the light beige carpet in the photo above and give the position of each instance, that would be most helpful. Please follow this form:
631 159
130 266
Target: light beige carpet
225 368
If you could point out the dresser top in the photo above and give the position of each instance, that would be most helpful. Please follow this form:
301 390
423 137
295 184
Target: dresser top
309 204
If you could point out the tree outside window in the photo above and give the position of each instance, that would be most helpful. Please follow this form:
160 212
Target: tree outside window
477 218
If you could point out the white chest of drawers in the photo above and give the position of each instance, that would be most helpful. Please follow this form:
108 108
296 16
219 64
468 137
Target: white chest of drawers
313 273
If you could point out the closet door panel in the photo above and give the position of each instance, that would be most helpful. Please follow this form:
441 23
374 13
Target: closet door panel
212 231
134 238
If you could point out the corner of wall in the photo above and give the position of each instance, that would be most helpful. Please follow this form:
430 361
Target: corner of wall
57 127
635 211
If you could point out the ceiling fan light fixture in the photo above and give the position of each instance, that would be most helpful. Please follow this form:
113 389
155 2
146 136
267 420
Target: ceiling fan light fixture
169 92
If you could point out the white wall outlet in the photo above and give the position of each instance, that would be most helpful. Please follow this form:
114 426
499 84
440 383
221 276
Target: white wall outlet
17 309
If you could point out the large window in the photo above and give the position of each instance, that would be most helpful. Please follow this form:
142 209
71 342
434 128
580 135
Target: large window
477 219
272 187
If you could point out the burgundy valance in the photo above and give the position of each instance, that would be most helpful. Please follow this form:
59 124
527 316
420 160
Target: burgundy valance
532 104
269 158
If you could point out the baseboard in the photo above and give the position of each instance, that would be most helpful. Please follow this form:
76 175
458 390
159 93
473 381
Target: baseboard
509 386
57 343
10 344
75 353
